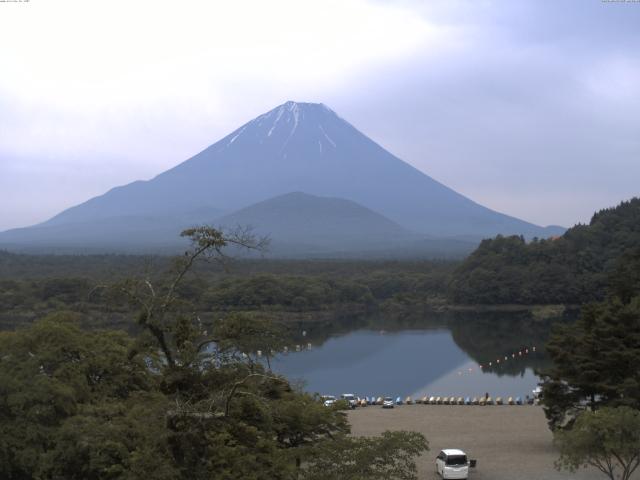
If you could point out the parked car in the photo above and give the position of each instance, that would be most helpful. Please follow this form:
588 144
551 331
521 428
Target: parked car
387 402
351 399
328 400
453 463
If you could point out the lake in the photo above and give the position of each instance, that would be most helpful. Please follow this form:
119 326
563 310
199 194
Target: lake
441 360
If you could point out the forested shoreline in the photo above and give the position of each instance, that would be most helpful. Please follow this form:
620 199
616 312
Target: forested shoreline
284 289
575 268
505 273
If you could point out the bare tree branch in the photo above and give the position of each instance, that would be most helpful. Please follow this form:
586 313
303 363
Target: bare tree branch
239 383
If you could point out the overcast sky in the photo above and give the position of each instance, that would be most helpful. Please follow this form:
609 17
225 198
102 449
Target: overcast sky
531 108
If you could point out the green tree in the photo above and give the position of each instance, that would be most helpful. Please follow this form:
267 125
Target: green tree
625 280
608 439
302 421
246 335
571 269
391 456
53 374
179 400
595 362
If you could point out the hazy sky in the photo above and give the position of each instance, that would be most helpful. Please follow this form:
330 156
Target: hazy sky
528 107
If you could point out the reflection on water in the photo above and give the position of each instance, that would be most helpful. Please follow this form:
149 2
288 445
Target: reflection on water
434 356
474 383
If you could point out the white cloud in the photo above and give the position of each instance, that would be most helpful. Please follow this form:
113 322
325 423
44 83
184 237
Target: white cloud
78 66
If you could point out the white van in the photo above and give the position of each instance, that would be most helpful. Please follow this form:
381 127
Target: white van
453 463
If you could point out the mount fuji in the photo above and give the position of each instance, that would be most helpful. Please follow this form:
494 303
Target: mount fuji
348 190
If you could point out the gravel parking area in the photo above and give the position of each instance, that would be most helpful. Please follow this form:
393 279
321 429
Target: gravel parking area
509 442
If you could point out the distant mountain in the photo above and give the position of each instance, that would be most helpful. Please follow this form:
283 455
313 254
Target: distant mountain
302 225
297 225
296 147
319 222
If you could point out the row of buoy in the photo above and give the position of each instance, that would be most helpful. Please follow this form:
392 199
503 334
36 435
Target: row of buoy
497 361
483 400
506 358
297 348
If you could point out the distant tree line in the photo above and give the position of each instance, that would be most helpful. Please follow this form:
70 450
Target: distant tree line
360 287
572 269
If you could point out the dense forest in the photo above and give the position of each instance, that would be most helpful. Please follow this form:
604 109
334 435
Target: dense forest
572 269
32 286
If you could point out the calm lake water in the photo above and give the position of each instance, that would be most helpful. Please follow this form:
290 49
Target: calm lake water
441 361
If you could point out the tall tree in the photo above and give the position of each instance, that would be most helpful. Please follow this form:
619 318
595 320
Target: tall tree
388 457
595 362
608 440
58 384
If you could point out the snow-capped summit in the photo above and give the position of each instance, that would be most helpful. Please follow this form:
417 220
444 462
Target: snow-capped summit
280 125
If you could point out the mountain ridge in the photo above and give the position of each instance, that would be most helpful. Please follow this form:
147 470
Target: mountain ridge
301 147
300 218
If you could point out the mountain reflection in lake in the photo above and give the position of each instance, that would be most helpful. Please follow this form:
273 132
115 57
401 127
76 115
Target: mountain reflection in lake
441 359
400 363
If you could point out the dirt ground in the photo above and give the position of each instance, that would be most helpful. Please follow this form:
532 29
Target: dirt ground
509 442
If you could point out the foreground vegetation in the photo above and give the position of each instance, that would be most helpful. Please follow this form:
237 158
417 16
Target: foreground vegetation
591 393
176 399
